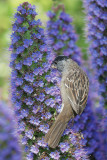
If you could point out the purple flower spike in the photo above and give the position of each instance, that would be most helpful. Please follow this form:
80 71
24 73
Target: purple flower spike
61 35
98 40
9 138
96 12
35 97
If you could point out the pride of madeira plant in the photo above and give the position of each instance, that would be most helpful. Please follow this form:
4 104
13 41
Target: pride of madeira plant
96 23
61 34
96 12
62 41
10 148
35 97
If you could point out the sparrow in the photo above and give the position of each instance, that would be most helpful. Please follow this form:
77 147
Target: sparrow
74 89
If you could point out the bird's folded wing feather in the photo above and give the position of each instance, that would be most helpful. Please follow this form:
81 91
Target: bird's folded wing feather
76 87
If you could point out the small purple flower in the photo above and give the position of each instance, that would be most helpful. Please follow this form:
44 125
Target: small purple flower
18 66
15 38
40 83
41 97
50 57
19 8
36 109
14 27
50 102
20 49
28 89
71 43
44 128
24 113
19 19
13 57
103 50
19 81
29 134
58 45
30 11
45 158
18 105
28 61
29 77
24 140
41 32
20 30
46 66
65 17
29 101
23 11
36 36
29 156
21 126
43 48
50 14
80 153
34 149
34 22
37 56
34 121
47 115
55 155
67 52
48 78
42 143
73 139
27 43
38 70
64 37
64 147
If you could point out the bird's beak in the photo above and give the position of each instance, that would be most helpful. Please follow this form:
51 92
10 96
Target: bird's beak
53 66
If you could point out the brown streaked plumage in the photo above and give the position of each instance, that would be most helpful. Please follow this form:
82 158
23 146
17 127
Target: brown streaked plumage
74 92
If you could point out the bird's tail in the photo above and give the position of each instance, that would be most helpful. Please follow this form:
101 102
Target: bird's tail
54 134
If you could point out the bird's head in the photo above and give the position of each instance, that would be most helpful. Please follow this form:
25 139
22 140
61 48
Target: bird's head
59 63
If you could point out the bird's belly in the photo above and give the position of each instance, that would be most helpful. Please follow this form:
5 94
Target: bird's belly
63 93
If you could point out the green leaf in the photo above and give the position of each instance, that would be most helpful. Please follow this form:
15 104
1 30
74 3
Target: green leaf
27 35
25 24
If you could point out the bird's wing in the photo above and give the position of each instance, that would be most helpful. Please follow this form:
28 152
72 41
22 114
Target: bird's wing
76 87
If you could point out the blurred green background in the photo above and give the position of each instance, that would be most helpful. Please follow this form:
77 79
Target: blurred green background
7 10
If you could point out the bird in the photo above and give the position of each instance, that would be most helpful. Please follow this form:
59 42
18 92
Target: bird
74 87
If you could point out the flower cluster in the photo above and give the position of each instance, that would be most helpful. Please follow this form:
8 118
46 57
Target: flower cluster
35 98
87 123
96 11
61 35
9 142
